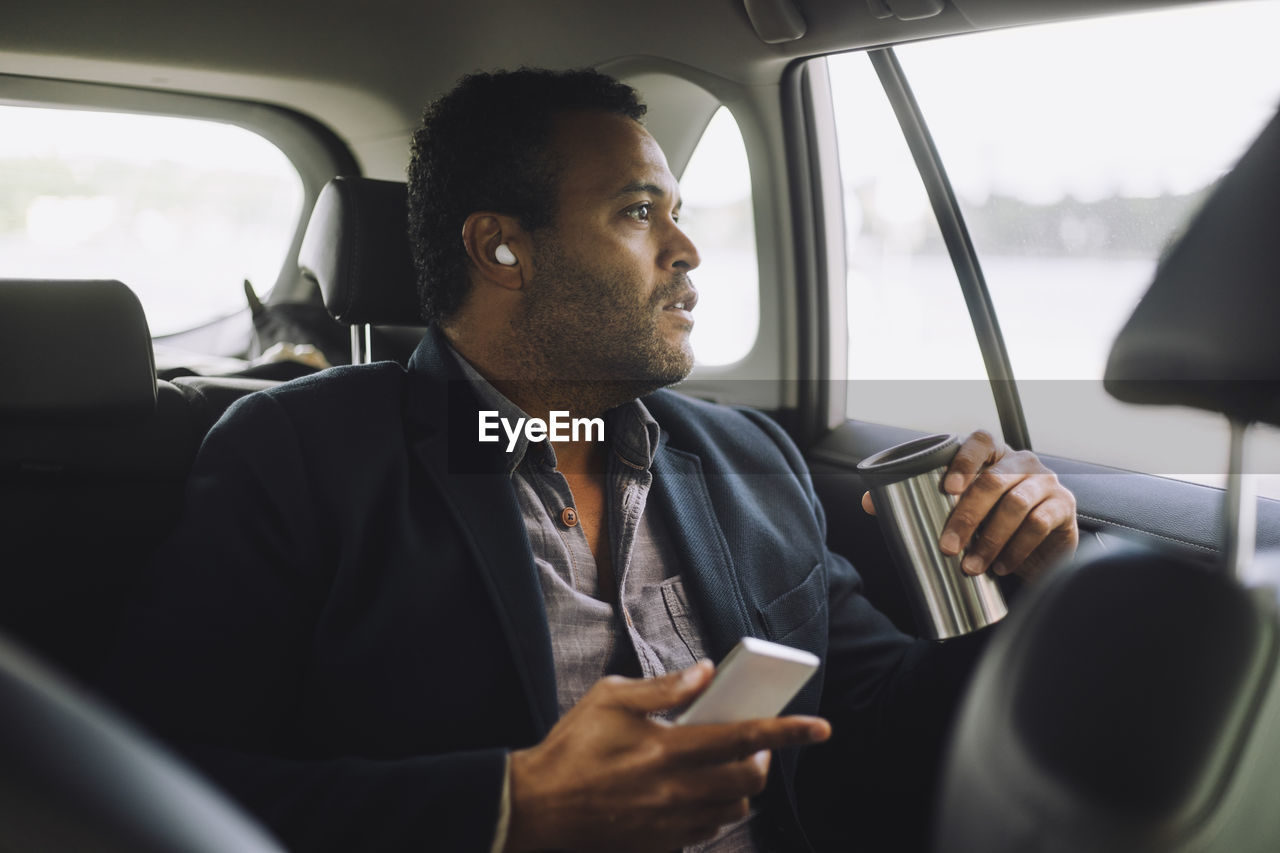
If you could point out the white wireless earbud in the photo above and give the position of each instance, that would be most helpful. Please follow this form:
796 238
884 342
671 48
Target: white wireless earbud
504 255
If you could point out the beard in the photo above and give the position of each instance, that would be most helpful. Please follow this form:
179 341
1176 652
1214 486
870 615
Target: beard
592 328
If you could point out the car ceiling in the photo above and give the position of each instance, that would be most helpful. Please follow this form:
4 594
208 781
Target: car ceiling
366 69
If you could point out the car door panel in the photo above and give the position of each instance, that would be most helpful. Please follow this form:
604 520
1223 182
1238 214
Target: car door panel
1114 507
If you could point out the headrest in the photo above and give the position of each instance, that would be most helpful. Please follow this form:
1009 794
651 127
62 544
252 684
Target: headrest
77 776
1113 710
74 350
1207 332
357 249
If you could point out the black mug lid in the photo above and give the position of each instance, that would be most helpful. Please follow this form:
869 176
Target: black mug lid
909 459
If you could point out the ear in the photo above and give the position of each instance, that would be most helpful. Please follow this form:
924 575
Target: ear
482 233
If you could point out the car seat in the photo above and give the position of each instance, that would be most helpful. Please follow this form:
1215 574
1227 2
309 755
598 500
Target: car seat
74 776
94 455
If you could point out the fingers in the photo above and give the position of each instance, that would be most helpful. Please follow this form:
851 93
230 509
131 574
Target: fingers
704 798
1013 511
977 508
649 695
1051 522
867 505
977 451
1023 518
610 777
982 474
724 742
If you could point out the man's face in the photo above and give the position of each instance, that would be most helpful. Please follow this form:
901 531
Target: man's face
610 296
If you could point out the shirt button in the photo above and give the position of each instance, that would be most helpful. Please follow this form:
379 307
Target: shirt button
569 516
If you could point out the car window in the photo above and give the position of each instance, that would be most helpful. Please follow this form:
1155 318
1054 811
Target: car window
1074 174
717 215
182 210
913 356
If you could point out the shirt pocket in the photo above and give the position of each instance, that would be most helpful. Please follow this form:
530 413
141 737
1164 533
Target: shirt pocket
796 608
681 616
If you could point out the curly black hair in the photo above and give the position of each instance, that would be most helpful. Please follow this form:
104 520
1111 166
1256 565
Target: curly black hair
483 146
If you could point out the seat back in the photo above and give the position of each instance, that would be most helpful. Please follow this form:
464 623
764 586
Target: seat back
75 776
1131 705
94 453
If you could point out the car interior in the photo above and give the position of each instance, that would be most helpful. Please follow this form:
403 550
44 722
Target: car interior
1053 220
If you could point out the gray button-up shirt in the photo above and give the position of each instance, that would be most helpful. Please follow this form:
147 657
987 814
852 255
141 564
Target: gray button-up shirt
651 625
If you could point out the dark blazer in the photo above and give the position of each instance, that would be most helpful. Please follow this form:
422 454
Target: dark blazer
347 628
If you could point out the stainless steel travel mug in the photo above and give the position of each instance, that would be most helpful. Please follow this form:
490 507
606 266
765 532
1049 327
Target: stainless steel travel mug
906 485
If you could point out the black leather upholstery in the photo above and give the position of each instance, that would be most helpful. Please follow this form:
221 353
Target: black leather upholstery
1107 682
357 250
1207 333
94 454
73 776
74 351
1130 705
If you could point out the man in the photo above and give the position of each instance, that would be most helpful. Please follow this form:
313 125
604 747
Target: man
382 632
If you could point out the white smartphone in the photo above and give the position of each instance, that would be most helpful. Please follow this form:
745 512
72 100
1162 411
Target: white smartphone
756 680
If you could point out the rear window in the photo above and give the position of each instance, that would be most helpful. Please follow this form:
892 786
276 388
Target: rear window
717 215
182 210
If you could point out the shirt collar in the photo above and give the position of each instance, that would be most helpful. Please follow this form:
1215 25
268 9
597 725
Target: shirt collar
634 433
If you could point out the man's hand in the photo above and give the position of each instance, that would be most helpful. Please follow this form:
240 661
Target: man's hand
1013 515
609 777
